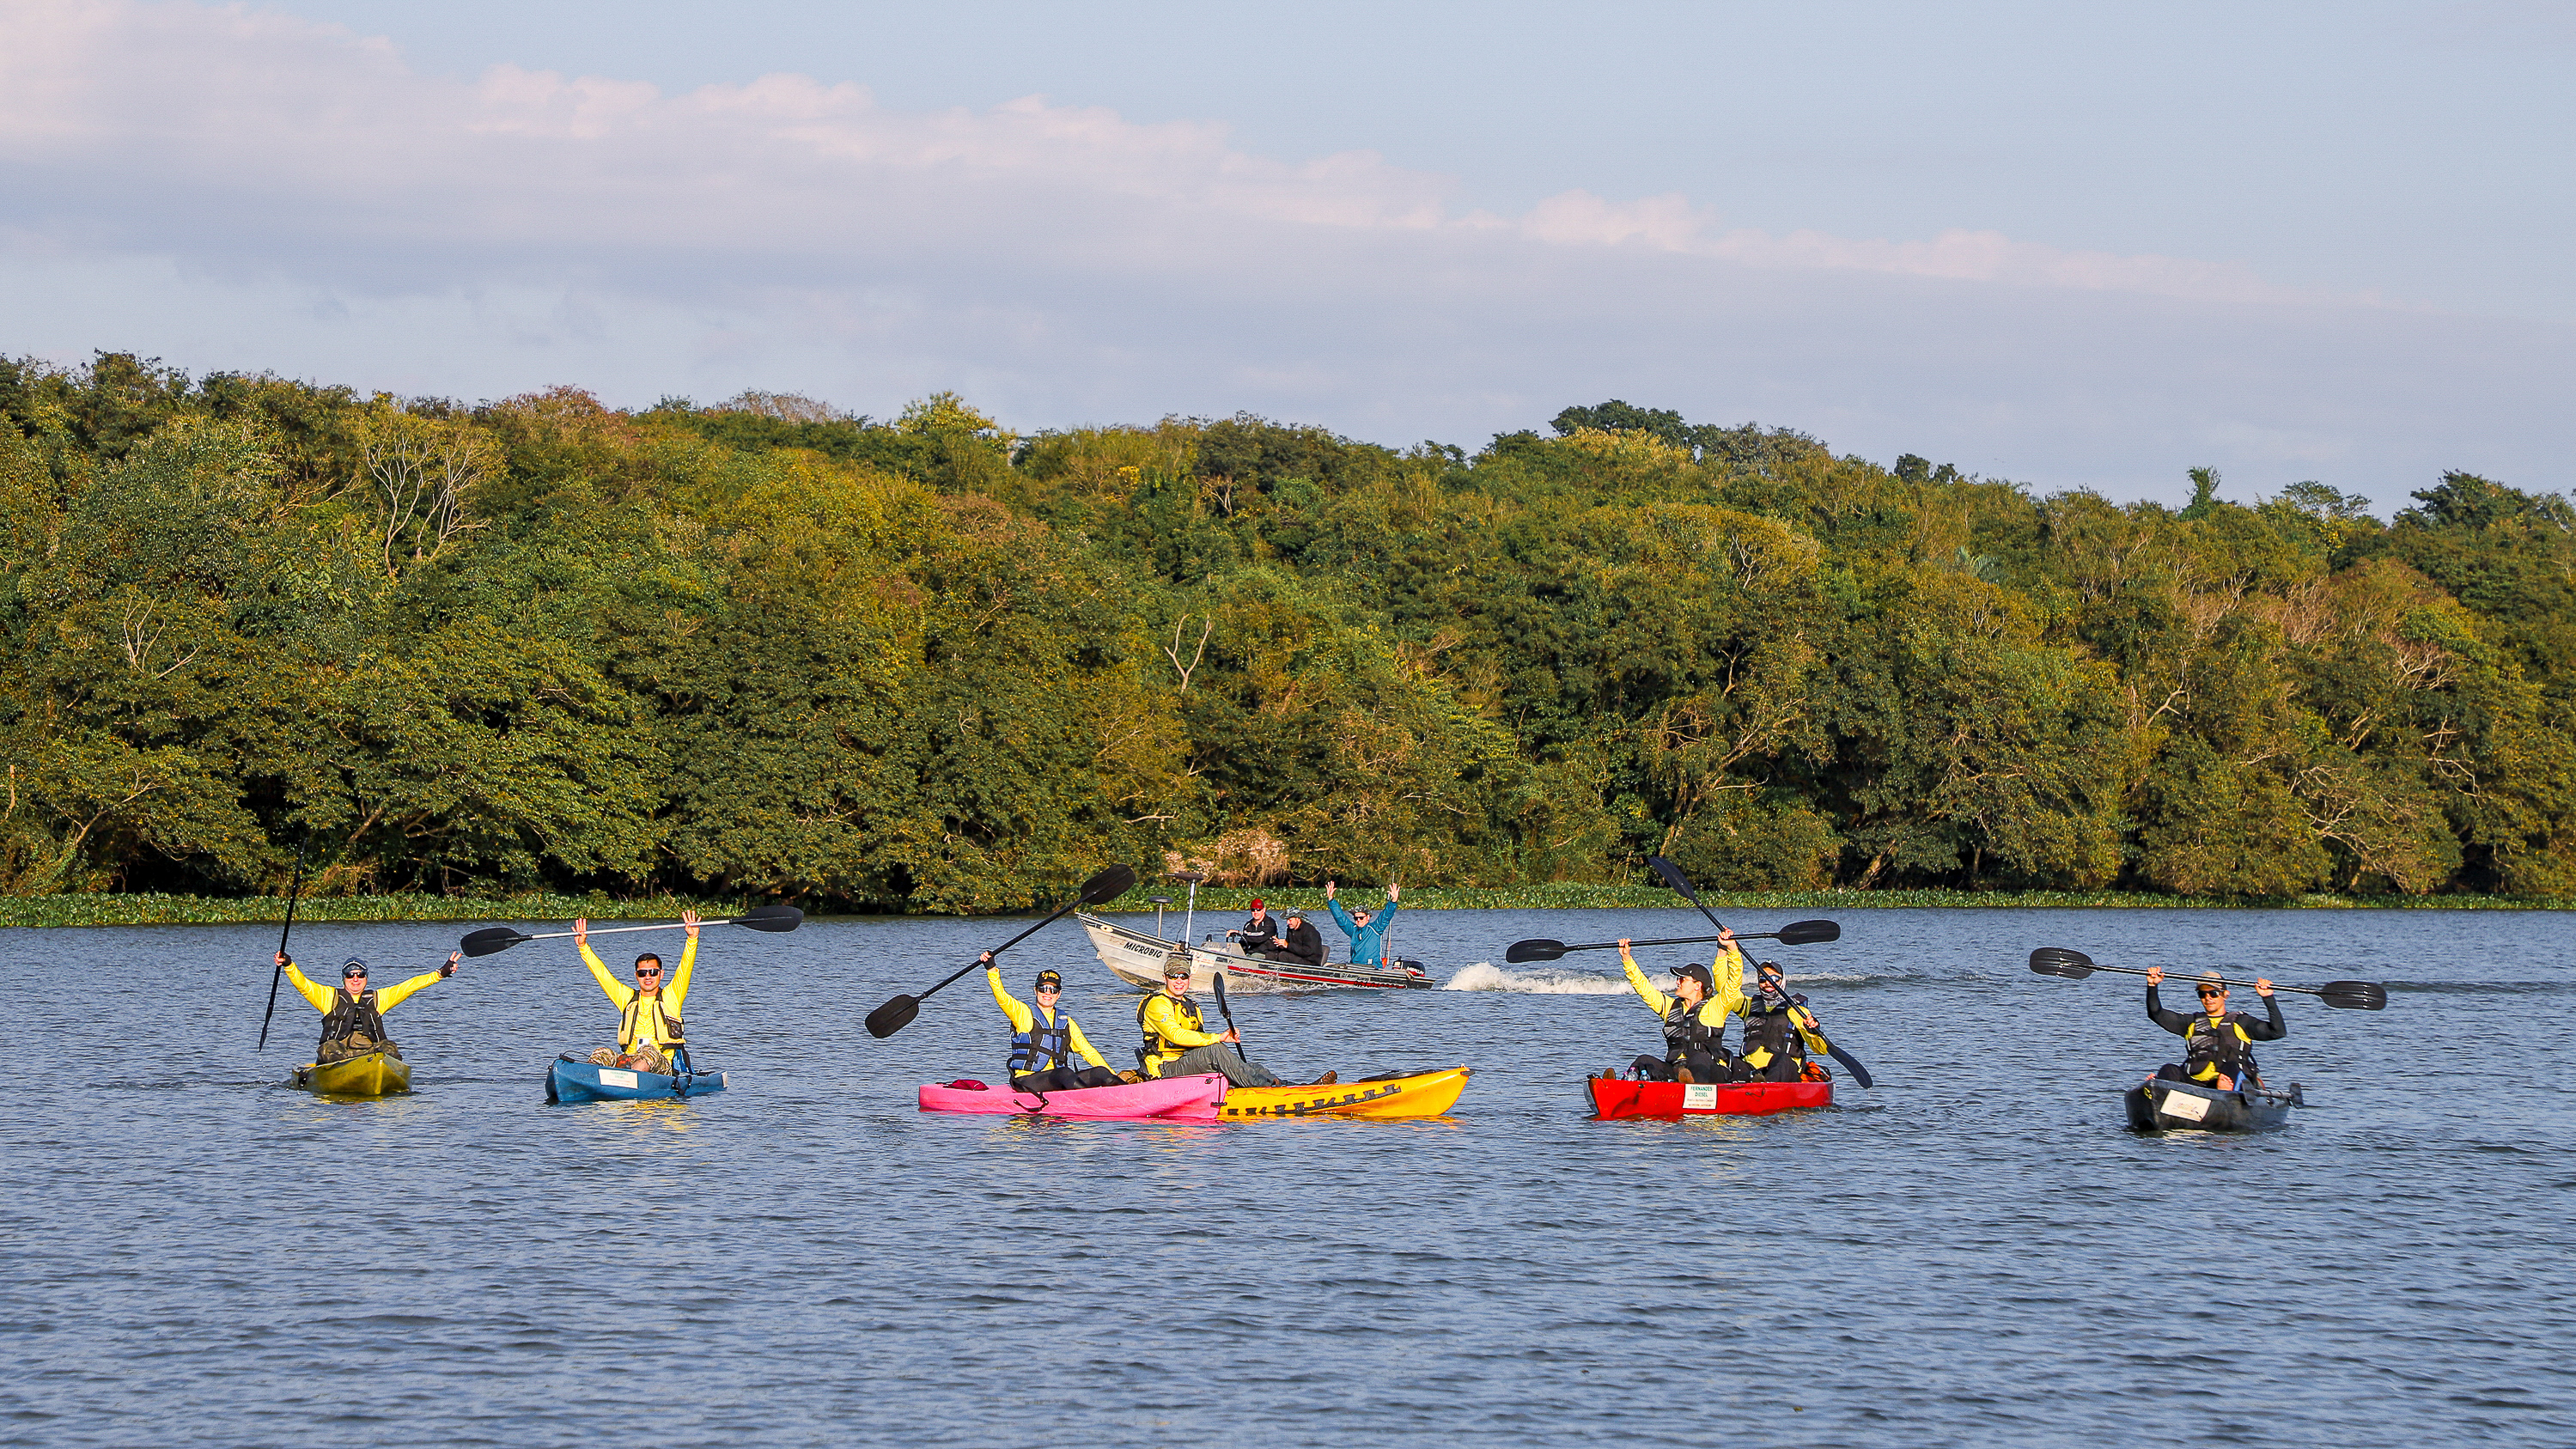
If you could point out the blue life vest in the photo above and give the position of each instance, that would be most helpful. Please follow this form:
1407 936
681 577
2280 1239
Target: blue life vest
1043 1047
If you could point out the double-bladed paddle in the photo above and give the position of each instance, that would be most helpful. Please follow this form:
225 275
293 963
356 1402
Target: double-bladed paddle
898 1013
1673 877
2068 965
1796 933
501 938
279 968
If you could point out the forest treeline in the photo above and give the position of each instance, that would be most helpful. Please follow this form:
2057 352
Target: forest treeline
763 648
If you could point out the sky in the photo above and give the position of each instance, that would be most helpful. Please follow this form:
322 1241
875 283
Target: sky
2074 246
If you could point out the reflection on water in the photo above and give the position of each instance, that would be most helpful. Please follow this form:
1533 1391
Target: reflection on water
1976 1252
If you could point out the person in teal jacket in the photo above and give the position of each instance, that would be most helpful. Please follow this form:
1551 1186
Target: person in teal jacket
1367 932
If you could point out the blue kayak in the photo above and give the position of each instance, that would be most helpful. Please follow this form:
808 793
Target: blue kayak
578 1079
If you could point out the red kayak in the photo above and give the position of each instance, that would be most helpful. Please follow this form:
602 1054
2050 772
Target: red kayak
1618 1097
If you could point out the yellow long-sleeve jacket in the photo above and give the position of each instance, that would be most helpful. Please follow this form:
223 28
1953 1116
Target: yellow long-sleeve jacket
1171 1026
387 997
1727 999
642 1017
1023 1016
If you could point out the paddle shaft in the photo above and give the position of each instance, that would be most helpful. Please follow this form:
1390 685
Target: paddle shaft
278 973
622 930
2177 976
1061 911
1668 941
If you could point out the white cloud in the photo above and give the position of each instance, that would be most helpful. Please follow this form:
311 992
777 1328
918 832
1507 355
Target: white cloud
167 164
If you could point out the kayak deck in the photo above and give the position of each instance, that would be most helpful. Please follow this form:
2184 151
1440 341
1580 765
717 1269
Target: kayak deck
2168 1106
1615 1097
1421 1094
373 1075
1167 1099
578 1079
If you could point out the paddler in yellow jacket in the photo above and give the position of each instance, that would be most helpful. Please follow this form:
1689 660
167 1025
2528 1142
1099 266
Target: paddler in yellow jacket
1044 1039
1694 1016
1178 1044
648 1012
353 1017
1778 1030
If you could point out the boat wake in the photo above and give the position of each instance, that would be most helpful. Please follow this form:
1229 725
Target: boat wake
1543 981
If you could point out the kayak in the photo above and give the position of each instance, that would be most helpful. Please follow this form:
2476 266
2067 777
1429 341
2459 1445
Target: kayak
1620 1097
1167 1099
578 1079
373 1075
2165 1106
1420 1094
1136 957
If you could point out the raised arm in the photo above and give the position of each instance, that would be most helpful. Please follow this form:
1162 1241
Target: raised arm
618 991
2273 1029
1012 1006
318 996
393 996
1656 1001
2173 1021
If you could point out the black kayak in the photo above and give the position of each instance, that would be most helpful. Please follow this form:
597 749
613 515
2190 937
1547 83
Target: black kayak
2166 1106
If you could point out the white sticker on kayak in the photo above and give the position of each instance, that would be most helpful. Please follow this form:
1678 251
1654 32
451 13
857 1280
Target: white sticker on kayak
2188 1107
1699 1094
609 1077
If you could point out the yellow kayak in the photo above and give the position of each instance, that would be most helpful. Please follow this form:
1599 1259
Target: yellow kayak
372 1075
1425 1094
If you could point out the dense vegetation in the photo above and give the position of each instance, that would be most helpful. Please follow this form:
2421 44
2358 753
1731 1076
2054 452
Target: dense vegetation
766 649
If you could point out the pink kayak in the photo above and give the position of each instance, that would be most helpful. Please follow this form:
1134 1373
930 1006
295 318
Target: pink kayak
1172 1099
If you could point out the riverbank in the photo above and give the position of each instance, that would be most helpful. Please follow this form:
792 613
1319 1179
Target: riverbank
181 910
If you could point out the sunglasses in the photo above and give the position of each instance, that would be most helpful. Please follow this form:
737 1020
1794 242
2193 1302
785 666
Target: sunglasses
2212 995
353 975
649 971
1050 991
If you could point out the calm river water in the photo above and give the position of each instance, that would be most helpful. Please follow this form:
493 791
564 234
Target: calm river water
1976 1252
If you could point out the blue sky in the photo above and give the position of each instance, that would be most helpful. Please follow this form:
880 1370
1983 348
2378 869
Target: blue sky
2077 246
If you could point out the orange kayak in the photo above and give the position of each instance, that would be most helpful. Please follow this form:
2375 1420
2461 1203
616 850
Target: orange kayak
1619 1097
1424 1094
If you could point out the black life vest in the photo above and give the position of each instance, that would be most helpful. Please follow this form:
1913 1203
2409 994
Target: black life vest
1771 1031
1685 1033
1157 1045
353 1016
1043 1047
630 1021
2210 1048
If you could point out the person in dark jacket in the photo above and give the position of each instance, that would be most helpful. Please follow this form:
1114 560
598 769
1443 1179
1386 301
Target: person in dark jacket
1260 935
2218 1044
1301 944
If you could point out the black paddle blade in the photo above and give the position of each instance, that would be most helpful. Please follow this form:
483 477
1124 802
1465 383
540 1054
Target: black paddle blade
1809 933
490 939
2060 962
1109 885
1672 875
1852 1065
893 1017
1538 950
771 918
2355 995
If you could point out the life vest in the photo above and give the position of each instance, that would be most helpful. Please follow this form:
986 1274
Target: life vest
1685 1033
1770 1032
1043 1047
1158 1048
667 1032
2213 1047
353 1016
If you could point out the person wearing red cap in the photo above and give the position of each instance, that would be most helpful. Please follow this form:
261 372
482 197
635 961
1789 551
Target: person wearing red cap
1260 935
